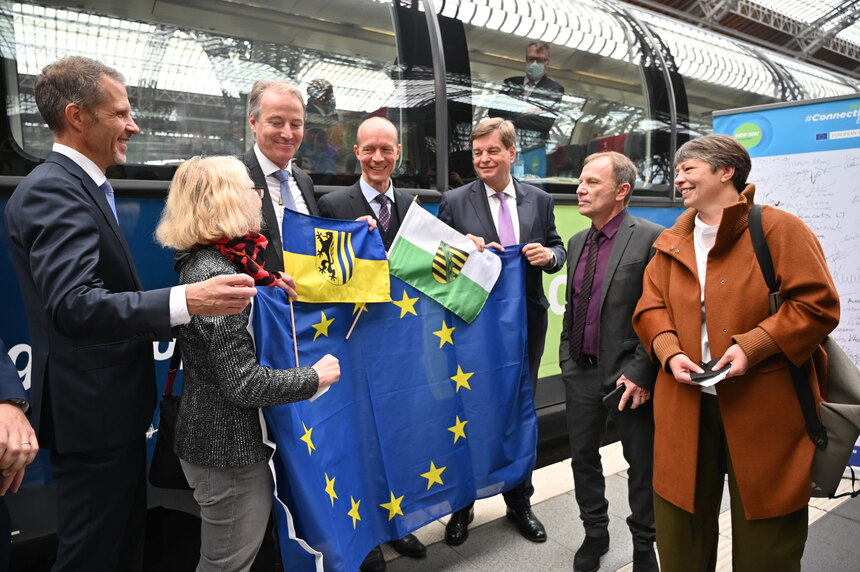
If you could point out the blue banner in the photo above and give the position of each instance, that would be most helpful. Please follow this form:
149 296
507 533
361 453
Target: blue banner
430 413
828 125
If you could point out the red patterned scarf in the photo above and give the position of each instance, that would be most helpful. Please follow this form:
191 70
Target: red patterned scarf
243 252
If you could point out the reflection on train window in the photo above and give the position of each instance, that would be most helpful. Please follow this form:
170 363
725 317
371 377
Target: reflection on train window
188 88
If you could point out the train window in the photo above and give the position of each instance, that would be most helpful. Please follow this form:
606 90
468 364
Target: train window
189 66
585 94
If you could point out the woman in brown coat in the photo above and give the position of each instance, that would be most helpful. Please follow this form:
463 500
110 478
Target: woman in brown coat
704 298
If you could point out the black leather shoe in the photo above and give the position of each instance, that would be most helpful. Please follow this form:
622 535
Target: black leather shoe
527 523
409 546
587 558
645 561
457 529
373 562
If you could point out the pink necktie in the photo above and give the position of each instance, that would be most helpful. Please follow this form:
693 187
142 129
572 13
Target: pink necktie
506 224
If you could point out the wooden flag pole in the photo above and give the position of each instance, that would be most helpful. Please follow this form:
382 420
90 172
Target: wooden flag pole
293 323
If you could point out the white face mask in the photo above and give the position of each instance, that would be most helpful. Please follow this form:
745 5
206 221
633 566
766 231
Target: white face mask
534 71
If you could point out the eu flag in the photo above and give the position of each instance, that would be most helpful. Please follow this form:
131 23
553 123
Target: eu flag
430 413
334 260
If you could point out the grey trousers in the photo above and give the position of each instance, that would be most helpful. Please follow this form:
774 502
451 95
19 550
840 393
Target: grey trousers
586 426
235 503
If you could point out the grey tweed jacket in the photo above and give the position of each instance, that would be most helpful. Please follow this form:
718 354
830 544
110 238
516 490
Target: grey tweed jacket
223 386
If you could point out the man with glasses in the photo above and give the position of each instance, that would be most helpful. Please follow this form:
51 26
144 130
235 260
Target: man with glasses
539 93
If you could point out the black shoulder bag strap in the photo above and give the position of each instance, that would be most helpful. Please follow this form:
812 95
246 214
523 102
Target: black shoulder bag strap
816 430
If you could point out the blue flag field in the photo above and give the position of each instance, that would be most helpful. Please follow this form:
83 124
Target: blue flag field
429 414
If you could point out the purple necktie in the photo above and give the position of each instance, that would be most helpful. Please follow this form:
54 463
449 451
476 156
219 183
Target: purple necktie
506 224
577 328
384 213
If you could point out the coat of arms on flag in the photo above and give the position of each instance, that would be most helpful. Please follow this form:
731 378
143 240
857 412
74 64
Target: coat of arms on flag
334 260
448 262
335 257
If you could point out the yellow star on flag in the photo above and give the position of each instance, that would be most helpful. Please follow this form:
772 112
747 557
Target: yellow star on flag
353 512
359 307
393 506
329 488
322 327
406 305
434 475
307 438
462 378
445 334
459 429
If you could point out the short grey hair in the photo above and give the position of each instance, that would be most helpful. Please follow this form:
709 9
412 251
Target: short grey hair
623 169
718 151
278 86
539 46
73 79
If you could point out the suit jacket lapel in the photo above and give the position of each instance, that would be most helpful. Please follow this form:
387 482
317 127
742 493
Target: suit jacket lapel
619 245
307 191
98 197
359 205
478 198
525 211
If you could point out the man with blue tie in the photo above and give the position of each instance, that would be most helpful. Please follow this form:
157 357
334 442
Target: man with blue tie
504 211
374 197
91 325
277 118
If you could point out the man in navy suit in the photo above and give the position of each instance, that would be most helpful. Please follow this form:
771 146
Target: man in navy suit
502 211
277 118
600 351
91 325
374 196
18 443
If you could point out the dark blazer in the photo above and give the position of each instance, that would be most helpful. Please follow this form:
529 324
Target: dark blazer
91 326
619 347
467 210
274 254
349 204
546 95
10 382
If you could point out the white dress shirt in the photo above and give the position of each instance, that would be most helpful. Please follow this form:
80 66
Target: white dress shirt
269 168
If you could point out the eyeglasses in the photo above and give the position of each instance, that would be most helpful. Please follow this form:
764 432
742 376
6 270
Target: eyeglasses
536 60
261 191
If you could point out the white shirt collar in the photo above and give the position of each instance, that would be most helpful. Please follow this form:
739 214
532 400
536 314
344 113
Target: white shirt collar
370 193
267 165
82 161
508 190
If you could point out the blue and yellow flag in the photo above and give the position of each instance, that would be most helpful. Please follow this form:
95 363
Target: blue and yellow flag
430 413
334 260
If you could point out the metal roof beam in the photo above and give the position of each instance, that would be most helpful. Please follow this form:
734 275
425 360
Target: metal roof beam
715 11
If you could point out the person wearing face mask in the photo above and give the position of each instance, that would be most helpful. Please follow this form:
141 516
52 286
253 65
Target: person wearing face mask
541 95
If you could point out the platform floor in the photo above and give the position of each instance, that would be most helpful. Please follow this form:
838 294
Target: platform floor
494 544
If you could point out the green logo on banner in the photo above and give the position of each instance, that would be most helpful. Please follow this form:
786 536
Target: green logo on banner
748 135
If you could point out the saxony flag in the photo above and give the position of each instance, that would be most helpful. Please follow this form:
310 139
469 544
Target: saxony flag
334 260
437 260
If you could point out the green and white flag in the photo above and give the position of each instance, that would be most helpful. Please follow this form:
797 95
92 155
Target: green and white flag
437 260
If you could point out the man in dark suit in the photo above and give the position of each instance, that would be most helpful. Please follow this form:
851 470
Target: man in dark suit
536 89
18 444
91 326
374 196
600 351
277 118
503 211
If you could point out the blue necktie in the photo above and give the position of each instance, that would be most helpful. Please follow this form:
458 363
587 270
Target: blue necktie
286 193
108 191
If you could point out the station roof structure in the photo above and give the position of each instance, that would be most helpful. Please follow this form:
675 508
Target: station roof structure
823 32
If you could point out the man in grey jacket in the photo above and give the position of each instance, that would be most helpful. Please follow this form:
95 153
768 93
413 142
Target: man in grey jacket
600 352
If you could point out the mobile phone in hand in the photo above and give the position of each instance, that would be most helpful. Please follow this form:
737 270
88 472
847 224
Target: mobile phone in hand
613 398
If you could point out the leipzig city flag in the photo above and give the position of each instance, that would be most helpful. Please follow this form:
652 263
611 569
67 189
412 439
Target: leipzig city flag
334 260
429 414
443 264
